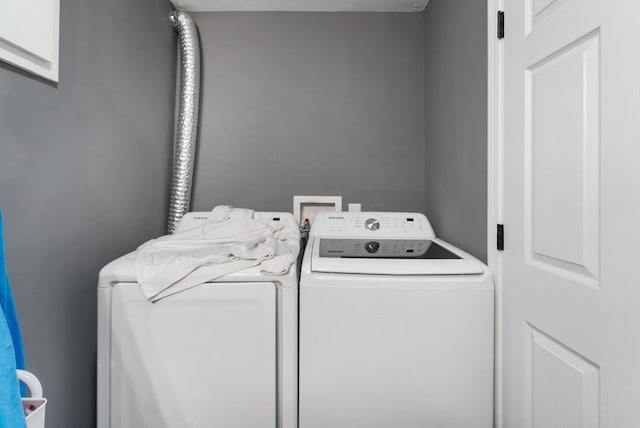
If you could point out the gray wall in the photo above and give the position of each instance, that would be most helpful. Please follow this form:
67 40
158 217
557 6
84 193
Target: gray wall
84 173
455 52
316 104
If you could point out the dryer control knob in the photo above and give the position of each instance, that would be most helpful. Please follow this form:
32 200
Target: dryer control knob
372 224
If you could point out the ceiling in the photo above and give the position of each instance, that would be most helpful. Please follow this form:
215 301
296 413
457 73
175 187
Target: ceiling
301 5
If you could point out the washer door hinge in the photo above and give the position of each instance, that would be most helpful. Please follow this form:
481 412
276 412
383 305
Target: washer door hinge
500 237
500 24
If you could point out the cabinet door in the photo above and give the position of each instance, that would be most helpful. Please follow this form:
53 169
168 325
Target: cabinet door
29 35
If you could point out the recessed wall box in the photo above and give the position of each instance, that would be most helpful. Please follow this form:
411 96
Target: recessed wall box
307 207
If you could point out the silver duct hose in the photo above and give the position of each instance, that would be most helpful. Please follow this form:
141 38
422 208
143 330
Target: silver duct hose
187 125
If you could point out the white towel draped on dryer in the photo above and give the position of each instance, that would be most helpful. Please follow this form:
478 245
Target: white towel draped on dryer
231 241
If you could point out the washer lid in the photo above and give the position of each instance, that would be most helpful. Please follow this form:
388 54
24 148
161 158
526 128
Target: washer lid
391 257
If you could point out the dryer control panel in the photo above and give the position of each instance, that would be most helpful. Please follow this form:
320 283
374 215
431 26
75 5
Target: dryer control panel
373 225
198 218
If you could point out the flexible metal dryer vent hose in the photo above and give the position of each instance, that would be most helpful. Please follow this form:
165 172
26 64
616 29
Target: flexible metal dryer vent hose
187 119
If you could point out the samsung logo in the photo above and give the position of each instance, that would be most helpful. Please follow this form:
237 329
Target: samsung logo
336 218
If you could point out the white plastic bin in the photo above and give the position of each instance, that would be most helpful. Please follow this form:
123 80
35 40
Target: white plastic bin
35 405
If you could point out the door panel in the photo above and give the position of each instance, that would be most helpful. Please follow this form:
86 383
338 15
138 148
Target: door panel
562 161
556 375
571 208
538 10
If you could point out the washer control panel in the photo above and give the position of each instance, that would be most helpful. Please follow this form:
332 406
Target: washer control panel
372 224
383 249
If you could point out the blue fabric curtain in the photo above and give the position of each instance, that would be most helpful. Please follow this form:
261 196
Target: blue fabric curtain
11 352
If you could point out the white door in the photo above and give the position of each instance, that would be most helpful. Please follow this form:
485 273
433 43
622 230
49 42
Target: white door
572 214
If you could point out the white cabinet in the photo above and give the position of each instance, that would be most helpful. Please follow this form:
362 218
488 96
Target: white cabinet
29 34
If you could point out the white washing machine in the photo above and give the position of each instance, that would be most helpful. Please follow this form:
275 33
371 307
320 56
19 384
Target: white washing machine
222 354
396 327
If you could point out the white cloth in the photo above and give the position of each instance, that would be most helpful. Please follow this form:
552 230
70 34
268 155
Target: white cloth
229 242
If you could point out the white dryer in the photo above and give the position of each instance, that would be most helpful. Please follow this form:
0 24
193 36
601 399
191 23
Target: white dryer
396 327
222 354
